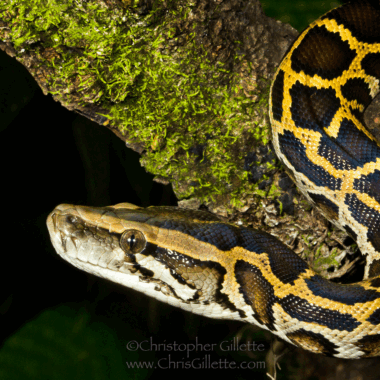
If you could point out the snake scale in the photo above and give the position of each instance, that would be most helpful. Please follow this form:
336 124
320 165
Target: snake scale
192 260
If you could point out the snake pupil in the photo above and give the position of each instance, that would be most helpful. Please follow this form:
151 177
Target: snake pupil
132 241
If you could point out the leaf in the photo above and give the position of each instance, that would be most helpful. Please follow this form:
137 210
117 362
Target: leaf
63 344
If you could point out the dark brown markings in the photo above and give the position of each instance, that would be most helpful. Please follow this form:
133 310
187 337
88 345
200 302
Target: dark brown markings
356 143
257 241
366 216
305 311
351 232
323 53
278 96
342 293
370 344
147 273
369 184
374 269
149 250
192 272
357 114
371 64
313 108
164 288
361 18
328 207
222 236
376 281
286 265
374 318
204 276
295 152
338 157
257 292
357 89
312 341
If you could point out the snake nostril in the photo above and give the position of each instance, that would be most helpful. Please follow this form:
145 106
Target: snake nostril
71 219
54 219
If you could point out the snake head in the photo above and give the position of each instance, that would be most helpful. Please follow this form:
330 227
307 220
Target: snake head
168 253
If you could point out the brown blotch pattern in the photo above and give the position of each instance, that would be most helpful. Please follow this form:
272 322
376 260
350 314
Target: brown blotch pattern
313 342
323 53
278 96
371 64
357 89
257 292
329 208
361 18
370 345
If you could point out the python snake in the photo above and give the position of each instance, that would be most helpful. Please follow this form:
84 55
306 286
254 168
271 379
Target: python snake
192 260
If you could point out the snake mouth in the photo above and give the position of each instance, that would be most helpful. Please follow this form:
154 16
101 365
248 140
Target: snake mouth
84 237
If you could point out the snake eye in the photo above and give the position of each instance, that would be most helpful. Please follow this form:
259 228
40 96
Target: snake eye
132 241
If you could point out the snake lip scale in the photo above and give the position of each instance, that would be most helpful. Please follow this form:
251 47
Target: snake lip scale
192 260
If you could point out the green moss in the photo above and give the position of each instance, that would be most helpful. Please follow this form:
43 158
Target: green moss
323 263
306 205
211 117
191 114
281 207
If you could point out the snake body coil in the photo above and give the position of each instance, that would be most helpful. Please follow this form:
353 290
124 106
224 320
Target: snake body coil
192 260
318 97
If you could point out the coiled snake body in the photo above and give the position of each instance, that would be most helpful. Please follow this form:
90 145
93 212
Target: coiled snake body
192 260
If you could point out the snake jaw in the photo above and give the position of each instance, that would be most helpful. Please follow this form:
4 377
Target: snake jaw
74 237
142 249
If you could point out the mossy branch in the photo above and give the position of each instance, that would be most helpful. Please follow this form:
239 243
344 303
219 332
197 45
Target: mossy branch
181 82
